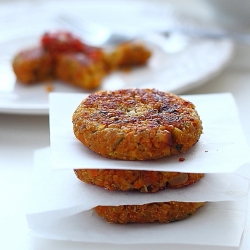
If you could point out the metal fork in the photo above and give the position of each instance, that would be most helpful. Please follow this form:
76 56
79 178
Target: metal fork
97 35
92 33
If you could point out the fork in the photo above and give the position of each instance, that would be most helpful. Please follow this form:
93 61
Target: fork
92 33
97 35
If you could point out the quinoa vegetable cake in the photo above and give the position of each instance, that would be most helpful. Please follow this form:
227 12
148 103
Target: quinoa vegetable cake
143 181
33 65
62 55
163 212
127 55
136 124
79 70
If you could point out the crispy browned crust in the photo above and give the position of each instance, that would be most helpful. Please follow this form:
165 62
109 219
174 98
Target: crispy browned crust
143 181
33 65
163 212
79 70
136 124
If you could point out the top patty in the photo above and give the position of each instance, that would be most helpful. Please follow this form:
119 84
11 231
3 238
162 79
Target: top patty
136 124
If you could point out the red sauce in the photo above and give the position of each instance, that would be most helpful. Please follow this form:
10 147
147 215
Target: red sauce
61 41
64 41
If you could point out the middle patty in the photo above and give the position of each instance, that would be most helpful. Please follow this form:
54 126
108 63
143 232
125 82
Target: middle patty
143 181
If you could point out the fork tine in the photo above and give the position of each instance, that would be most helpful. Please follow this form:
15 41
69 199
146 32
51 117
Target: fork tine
90 32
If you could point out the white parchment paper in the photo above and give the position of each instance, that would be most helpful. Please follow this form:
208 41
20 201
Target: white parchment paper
222 147
61 205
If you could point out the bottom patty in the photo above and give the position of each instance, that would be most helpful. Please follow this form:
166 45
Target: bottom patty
163 212
144 181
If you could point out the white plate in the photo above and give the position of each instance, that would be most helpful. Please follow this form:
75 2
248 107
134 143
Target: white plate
178 64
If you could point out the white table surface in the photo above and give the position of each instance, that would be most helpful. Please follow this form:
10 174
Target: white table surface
20 135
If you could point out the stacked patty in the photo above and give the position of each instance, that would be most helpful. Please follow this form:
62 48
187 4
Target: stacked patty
163 212
137 124
143 181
